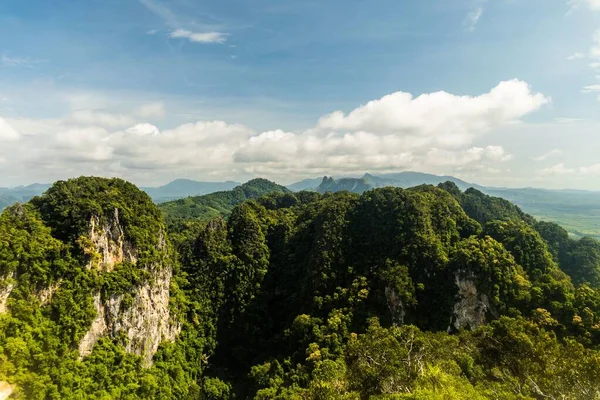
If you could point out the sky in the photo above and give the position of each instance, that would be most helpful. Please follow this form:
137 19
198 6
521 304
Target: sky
496 92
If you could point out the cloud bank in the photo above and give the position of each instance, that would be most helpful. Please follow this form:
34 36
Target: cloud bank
431 132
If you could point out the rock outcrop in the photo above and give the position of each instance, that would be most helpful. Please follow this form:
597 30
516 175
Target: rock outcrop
5 390
141 316
471 308
6 287
395 305
109 244
145 323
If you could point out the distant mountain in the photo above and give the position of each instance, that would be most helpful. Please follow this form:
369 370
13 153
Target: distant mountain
368 181
20 194
181 188
409 179
220 203
306 184
354 185
177 189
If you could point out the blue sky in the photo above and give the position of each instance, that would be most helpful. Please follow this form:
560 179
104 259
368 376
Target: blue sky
152 90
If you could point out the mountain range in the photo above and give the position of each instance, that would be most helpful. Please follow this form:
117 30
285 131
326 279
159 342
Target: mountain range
263 293
576 210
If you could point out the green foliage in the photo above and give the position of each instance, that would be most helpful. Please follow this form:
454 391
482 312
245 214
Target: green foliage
217 204
303 296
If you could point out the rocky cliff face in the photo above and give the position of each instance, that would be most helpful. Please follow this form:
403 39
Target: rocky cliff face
395 305
109 246
471 307
144 319
5 390
146 322
6 287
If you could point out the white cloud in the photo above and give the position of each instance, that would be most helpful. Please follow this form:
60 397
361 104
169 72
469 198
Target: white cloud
199 37
444 118
592 4
595 49
151 110
548 155
152 32
594 54
472 19
268 146
558 169
565 120
17 62
101 118
7 132
591 88
438 132
576 56
443 158
590 170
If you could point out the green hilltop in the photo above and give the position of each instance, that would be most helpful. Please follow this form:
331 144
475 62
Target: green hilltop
430 292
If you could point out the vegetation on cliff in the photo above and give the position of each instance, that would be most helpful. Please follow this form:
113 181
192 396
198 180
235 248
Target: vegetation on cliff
421 293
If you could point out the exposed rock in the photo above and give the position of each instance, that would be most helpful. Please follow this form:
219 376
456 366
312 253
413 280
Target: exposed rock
145 323
96 331
471 309
45 294
109 244
5 390
6 287
395 305
141 316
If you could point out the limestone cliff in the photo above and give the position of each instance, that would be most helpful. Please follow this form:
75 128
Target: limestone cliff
6 287
6 390
144 319
145 323
395 305
471 307
109 246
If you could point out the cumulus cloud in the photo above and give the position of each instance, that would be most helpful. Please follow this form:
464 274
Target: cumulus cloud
590 170
444 158
152 110
561 169
591 88
199 37
437 131
594 55
558 169
595 49
592 4
550 154
101 118
7 132
443 117
576 56
566 120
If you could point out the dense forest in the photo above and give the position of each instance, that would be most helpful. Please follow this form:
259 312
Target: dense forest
421 293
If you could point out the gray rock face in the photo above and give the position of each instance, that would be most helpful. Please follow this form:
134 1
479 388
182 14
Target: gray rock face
471 308
395 306
109 244
145 321
5 390
6 287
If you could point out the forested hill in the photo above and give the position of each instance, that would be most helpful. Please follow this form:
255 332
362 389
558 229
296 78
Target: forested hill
217 204
421 293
